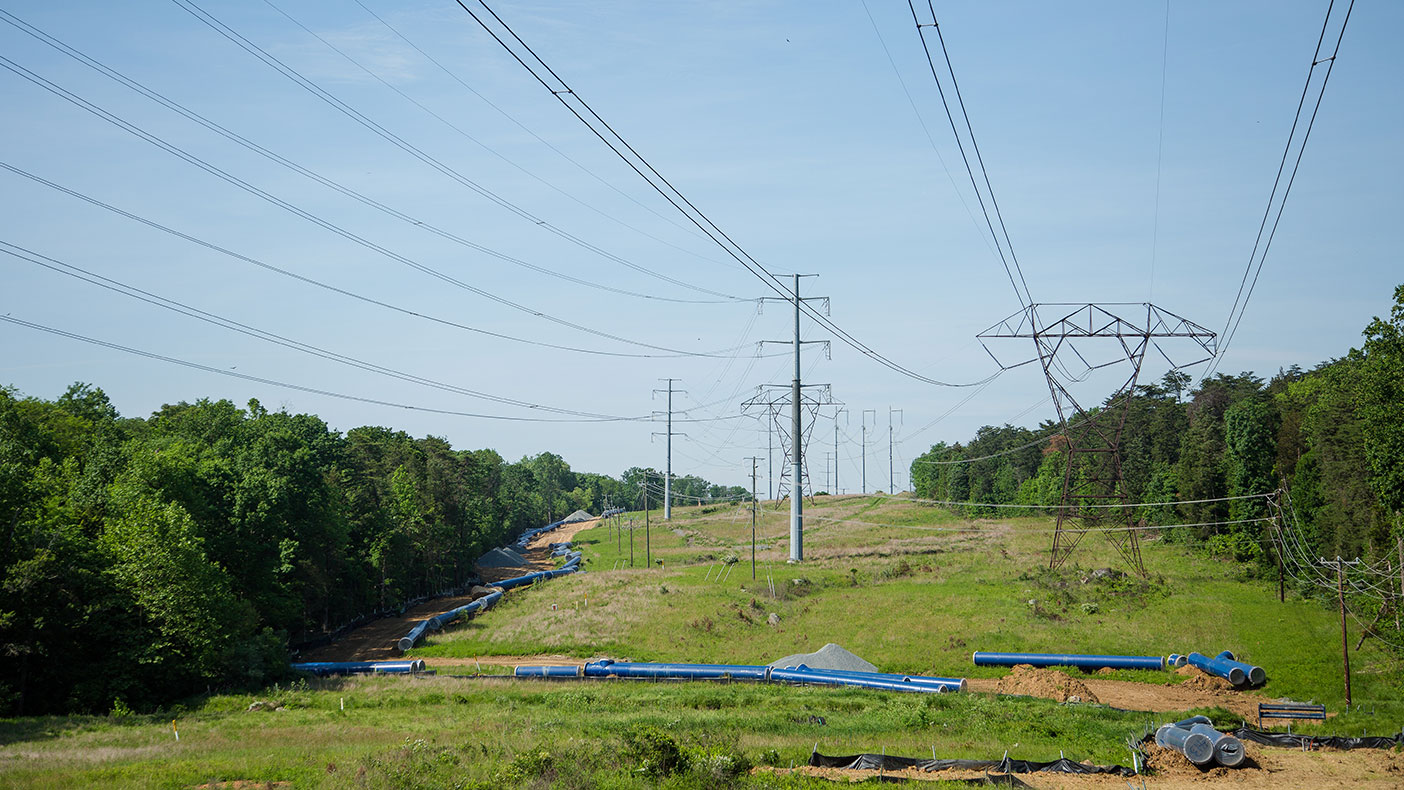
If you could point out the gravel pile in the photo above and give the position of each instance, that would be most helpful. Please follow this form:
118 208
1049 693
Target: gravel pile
830 656
502 558
577 517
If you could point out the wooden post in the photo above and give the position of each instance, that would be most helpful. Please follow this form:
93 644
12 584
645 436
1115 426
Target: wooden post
1345 643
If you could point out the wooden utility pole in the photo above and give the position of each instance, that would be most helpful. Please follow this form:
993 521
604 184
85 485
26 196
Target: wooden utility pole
753 460
1345 644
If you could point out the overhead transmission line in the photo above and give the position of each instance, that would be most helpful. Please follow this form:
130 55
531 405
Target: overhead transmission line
68 269
921 120
1011 263
329 183
306 215
302 388
399 142
1261 244
567 157
577 106
344 292
467 136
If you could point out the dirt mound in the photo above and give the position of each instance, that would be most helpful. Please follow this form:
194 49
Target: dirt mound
1202 681
502 558
1053 684
1169 763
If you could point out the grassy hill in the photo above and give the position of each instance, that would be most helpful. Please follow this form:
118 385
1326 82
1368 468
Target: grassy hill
910 588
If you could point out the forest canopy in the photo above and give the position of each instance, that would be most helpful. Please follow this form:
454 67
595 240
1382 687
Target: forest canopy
149 559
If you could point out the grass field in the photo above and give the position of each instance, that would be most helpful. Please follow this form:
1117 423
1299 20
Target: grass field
910 588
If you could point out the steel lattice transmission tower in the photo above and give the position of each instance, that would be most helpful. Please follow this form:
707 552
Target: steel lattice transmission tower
1071 341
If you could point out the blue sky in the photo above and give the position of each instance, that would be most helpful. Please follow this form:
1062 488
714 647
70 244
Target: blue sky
785 122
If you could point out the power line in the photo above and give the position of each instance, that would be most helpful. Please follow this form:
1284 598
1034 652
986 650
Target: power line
544 141
329 183
311 87
460 131
301 388
156 300
1025 299
313 218
578 107
342 291
1240 301
925 129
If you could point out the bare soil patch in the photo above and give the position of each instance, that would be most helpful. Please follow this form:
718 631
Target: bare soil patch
377 641
1198 692
538 552
1048 683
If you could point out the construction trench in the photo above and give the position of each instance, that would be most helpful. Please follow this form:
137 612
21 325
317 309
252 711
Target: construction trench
1193 741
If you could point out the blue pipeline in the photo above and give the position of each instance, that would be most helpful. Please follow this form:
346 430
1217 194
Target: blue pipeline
945 684
437 622
1195 746
1228 750
1176 660
324 668
1256 676
573 671
823 678
800 675
600 669
1231 671
1068 660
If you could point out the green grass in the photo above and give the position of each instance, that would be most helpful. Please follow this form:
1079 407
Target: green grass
912 589
919 600
471 732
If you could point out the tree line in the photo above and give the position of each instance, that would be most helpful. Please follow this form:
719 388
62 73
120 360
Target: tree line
1332 437
144 560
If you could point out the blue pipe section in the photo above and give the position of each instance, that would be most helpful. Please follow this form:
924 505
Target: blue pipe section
608 668
326 668
1228 750
941 684
1195 746
827 678
1068 660
573 671
602 669
1256 676
438 621
1176 660
1231 671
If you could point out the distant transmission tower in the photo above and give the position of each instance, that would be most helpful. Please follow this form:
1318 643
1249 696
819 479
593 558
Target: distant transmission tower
1070 346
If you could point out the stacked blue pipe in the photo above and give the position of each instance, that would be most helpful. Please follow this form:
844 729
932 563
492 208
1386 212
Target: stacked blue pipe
800 675
871 680
1235 672
608 668
1200 743
326 668
1068 660
1195 746
1256 675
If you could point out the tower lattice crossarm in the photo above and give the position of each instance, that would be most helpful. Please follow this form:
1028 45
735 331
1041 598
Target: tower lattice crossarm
1072 341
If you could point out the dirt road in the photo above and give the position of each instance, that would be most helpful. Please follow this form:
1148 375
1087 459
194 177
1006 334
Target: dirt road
377 641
